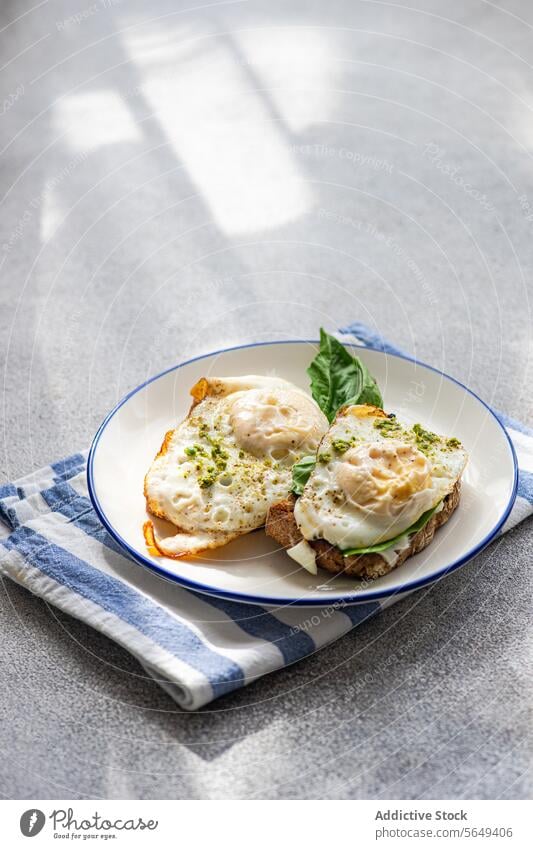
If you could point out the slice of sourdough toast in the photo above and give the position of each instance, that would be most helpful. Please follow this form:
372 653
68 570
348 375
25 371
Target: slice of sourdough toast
281 526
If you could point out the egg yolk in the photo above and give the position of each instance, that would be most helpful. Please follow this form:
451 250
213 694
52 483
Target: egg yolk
276 423
382 477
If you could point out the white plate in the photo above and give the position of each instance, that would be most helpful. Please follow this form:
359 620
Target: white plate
251 568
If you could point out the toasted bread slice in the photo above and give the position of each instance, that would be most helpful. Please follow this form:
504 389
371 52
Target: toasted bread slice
281 526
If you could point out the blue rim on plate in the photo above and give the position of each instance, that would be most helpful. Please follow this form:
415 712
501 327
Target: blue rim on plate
271 601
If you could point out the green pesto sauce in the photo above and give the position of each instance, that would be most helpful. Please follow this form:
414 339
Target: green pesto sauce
212 459
424 439
219 456
340 445
216 456
209 478
388 427
195 451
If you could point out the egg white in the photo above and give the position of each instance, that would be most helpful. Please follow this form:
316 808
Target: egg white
219 471
326 511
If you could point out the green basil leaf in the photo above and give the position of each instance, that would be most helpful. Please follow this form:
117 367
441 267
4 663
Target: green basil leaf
370 393
301 472
338 378
382 546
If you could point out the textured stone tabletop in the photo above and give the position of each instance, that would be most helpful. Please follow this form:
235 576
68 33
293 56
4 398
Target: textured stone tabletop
176 180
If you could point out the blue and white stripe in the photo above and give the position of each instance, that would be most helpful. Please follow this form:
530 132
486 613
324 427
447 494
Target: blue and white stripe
198 648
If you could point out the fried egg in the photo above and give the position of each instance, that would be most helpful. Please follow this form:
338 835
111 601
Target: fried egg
374 478
219 471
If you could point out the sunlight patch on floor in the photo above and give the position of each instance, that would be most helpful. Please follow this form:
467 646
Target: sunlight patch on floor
91 120
226 133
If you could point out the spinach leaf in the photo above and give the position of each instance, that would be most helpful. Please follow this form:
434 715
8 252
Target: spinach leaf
382 546
301 472
338 378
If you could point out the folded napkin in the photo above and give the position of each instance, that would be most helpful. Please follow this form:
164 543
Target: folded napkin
195 646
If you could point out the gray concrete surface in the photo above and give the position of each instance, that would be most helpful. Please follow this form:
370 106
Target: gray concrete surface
177 179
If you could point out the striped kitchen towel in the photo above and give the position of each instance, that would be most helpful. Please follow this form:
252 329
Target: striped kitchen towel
198 648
